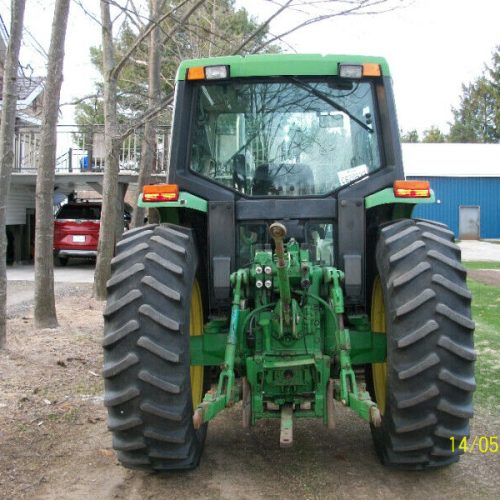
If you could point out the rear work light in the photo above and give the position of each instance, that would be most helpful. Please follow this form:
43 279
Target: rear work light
412 189
160 192
216 72
220 72
359 70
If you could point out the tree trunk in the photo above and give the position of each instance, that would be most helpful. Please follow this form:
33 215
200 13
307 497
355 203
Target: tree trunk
7 130
148 147
112 144
45 307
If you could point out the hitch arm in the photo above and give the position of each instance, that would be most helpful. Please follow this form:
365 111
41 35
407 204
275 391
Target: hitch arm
347 388
225 394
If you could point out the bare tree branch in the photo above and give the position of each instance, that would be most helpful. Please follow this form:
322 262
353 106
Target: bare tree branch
195 27
138 62
135 17
87 13
183 19
262 27
167 81
148 115
74 102
143 35
354 9
135 22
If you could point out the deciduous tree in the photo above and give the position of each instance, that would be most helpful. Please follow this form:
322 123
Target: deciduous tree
112 140
7 127
112 197
148 147
45 309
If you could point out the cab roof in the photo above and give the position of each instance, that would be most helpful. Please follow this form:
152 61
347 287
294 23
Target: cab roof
282 64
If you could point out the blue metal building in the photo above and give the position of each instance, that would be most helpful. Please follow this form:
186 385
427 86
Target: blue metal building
466 181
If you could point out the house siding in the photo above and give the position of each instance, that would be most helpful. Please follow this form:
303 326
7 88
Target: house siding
452 192
19 200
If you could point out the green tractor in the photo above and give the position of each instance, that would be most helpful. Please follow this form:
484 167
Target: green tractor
287 272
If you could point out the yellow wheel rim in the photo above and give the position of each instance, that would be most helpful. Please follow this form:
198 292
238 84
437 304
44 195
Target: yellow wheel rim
196 328
379 370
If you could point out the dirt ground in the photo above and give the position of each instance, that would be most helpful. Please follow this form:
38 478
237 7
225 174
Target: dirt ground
54 443
486 276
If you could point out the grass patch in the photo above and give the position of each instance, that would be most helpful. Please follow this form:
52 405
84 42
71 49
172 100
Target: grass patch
89 388
481 265
485 306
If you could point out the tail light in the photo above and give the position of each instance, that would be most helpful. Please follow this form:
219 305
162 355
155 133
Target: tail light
160 192
412 189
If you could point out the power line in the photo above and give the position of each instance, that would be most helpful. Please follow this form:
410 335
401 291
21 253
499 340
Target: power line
35 45
3 30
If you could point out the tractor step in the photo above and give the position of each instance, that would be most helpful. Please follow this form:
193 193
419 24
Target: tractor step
286 434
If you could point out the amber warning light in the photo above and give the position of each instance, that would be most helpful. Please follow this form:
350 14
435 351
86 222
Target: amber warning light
160 192
412 189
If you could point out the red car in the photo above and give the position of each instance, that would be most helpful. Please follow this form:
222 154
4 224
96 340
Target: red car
76 230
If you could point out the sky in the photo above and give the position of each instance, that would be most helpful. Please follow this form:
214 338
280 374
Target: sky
432 46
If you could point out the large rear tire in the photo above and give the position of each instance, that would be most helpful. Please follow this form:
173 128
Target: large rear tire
154 304
421 301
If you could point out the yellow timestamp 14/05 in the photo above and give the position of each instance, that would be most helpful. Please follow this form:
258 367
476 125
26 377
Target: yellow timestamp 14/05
484 444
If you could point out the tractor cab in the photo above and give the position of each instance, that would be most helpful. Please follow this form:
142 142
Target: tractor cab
296 138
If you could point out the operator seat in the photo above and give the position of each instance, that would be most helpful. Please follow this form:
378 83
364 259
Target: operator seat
284 179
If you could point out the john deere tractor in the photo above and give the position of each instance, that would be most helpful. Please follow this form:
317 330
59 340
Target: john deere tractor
287 274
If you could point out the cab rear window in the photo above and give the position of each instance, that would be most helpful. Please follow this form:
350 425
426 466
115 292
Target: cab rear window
288 137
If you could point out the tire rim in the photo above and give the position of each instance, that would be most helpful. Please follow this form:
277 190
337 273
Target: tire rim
196 329
379 370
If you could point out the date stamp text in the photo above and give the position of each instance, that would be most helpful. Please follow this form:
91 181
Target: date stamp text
483 444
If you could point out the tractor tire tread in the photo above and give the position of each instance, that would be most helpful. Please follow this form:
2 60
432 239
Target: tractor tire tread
127 254
430 349
134 238
132 232
116 306
113 368
146 350
165 264
418 334
113 336
120 424
117 279
411 274
167 292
